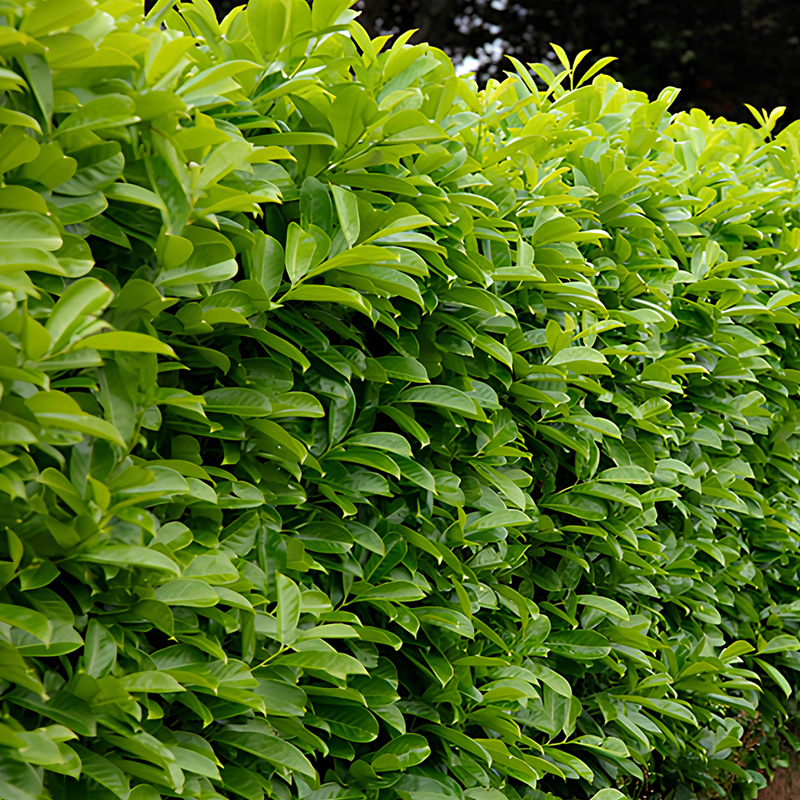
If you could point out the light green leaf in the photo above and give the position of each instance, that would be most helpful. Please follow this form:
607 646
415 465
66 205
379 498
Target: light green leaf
151 681
347 209
401 753
265 262
288 611
583 360
188 592
630 474
109 111
351 722
329 294
255 737
241 402
391 442
105 772
403 591
28 229
85 297
126 341
606 604
100 650
126 556
782 643
26 619
608 794
446 397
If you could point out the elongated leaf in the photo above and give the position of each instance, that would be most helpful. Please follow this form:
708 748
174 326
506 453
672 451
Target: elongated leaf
242 402
126 341
276 751
151 681
26 619
288 613
121 555
606 604
442 396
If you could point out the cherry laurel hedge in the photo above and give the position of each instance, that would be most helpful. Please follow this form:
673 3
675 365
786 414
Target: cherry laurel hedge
367 435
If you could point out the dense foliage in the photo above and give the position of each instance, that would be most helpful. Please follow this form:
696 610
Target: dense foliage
366 435
720 61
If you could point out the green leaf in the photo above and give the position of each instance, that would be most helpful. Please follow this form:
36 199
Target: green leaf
288 612
13 792
403 591
779 644
582 645
495 519
123 555
351 722
105 772
28 620
608 794
735 650
241 402
315 204
441 396
668 708
151 681
322 663
126 341
85 297
401 753
51 16
776 676
347 210
363 255
390 442
254 737
131 193
631 474
295 138
58 410
269 22
10 117
583 360
100 650
109 111
330 294
188 592
265 262
606 604
403 368
300 249
447 618
198 272
29 230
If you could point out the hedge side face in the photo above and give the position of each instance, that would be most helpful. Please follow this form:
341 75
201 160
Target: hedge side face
364 435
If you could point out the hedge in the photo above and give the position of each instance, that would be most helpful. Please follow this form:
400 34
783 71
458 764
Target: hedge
365 434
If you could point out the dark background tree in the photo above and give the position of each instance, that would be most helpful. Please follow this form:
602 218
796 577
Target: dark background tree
721 55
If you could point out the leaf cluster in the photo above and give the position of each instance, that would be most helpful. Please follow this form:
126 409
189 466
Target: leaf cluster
367 435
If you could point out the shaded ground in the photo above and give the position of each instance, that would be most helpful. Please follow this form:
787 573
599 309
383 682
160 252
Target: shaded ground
785 786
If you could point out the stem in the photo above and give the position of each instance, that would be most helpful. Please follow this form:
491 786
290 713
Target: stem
282 649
